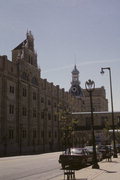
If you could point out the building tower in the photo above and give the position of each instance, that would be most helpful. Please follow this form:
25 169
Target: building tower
75 88
25 51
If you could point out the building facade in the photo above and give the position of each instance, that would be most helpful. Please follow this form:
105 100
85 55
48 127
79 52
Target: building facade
29 105
102 124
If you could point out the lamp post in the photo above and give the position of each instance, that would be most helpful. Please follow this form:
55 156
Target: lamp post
90 86
113 125
20 139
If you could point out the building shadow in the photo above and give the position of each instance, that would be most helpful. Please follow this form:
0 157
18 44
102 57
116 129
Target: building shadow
109 162
108 171
82 179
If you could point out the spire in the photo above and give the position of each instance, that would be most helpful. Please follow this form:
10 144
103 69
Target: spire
75 71
29 35
29 41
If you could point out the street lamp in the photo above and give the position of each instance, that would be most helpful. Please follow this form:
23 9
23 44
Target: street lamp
113 125
90 86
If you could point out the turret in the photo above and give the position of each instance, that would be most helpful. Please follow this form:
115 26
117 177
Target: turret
75 88
25 51
75 76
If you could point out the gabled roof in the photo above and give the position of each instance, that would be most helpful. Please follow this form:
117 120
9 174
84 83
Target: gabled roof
20 46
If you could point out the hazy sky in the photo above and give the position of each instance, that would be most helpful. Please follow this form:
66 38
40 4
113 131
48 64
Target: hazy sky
85 32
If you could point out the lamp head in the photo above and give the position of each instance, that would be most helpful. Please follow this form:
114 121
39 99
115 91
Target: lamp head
90 85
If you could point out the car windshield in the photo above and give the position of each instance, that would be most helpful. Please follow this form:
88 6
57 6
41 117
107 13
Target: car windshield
76 151
89 148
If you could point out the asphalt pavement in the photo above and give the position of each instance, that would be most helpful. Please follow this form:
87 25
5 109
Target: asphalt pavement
108 171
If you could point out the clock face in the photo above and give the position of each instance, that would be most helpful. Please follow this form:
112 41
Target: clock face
74 89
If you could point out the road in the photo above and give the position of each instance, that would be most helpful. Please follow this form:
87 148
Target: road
31 167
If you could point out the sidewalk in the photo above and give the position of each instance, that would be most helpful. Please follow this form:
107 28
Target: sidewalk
107 171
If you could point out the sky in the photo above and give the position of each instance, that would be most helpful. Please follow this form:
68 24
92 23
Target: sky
67 32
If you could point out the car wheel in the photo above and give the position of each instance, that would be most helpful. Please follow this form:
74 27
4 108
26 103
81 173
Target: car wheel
63 166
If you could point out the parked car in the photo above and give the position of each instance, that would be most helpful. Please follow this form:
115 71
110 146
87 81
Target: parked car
118 148
102 149
75 158
98 153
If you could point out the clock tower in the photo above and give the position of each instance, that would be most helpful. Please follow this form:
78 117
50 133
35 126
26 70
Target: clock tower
75 88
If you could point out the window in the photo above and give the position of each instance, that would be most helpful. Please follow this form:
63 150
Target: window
24 134
104 121
24 111
49 103
49 134
42 115
42 134
11 133
34 81
11 69
24 92
34 96
11 109
31 60
12 89
34 113
88 123
25 76
55 118
42 99
49 116
55 105
34 133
